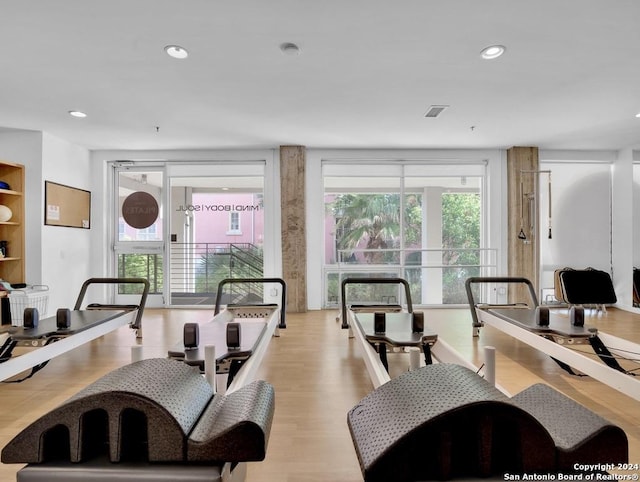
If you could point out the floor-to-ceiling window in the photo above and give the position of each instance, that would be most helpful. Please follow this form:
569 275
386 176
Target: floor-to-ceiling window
217 232
423 222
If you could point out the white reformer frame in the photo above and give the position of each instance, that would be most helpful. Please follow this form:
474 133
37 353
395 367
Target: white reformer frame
377 372
36 356
620 381
273 321
441 351
247 373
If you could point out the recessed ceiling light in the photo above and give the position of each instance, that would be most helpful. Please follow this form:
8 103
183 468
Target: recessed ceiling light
289 48
176 52
77 113
638 115
492 52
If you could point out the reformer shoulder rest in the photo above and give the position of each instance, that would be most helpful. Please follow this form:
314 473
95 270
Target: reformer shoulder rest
584 286
156 410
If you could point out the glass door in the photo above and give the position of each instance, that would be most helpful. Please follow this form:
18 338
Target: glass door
139 234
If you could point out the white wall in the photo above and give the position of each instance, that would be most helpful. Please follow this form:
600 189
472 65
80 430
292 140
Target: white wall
581 217
54 256
65 251
636 216
622 227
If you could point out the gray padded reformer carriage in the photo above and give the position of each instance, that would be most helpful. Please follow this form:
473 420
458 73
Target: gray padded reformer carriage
152 420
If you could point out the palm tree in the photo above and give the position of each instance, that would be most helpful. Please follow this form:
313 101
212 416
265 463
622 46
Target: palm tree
370 221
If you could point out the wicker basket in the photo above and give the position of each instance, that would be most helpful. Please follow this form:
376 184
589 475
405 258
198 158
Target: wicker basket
36 296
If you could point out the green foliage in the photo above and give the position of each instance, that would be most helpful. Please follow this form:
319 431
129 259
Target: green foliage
210 270
372 221
147 266
460 230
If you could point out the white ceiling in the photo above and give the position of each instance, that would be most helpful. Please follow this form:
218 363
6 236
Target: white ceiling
367 73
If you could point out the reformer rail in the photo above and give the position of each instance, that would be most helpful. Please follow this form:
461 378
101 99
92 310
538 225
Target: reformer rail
68 329
555 341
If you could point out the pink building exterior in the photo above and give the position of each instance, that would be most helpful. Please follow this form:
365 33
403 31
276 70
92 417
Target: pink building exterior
227 218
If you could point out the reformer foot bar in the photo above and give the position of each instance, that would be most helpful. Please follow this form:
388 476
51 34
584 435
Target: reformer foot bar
378 327
554 333
153 420
240 335
68 329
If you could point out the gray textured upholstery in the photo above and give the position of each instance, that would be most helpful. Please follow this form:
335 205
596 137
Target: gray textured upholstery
233 428
147 411
444 421
580 435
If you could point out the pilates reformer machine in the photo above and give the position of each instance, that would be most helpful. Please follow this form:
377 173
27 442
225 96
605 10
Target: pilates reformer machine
237 337
561 333
160 419
444 421
43 339
379 328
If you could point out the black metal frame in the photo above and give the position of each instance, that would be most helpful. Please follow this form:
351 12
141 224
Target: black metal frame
346 281
495 279
137 324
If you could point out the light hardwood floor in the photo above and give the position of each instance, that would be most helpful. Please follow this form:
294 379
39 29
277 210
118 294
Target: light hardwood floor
318 375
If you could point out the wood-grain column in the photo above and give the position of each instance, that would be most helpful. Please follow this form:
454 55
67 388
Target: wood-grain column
294 234
523 254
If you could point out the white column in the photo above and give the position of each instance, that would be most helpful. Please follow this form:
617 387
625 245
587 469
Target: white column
622 241
432 239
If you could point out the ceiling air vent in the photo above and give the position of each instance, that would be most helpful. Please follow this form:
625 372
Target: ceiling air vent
435 110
